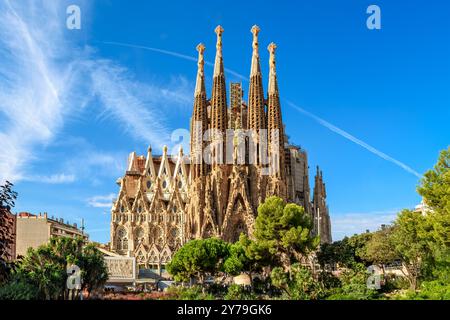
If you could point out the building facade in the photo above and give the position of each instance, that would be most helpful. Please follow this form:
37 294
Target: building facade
239 155
33 231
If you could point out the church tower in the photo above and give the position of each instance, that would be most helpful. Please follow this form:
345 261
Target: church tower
199 125
277 183
321 217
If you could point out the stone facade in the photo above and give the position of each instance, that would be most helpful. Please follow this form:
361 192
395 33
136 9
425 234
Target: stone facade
164 201
35 230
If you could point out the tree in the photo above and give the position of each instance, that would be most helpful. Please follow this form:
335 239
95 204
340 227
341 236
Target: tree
353 285
380 250
44 270
346 252
7 199
93 268
246 256
410 245
285 230
298 283
198 258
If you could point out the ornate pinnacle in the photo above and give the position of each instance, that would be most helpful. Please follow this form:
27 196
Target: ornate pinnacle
255 30
199 86
201 49
272 46
219 30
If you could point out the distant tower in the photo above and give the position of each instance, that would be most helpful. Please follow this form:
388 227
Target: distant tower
321 217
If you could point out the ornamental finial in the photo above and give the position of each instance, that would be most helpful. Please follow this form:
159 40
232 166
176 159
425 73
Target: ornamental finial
219 30
255 30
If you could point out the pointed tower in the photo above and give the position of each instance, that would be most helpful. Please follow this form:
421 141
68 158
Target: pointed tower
199 121
274 120
219 101
322 226
256 114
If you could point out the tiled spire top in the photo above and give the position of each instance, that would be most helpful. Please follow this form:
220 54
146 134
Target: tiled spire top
255 57
200 83
218 64
273 85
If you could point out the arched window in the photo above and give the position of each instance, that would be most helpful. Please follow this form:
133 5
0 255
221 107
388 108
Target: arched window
138 236
122 239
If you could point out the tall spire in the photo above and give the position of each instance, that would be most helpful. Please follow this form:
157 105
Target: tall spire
219 98
218 63
274 119
256 114
199 120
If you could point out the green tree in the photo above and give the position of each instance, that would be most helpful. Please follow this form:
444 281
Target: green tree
285 230
410 245
297 284
199 258
93 268
247 256
353 285
44 270
346 252
379 249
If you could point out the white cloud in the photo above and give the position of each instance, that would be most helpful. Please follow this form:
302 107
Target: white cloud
52 179
101 201
44 80
348 224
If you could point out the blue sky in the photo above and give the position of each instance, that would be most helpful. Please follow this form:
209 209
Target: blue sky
74 103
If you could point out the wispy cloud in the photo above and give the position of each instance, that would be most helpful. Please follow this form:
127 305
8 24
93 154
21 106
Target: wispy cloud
101 201
355 140
32 88
347 224
44 79
60 178
173 54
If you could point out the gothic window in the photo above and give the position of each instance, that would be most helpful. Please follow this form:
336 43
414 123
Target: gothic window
138 236
174 209
122 240
139 209
174 232
122 208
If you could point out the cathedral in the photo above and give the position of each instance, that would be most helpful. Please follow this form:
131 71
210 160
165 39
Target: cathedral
239 155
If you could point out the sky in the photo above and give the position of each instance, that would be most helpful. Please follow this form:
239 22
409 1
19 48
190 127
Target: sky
371 107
